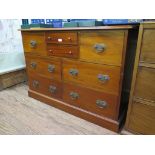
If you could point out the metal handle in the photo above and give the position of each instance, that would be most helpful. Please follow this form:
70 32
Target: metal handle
101 103
103 78
33 65
33 43
51 68
73 72
52 89
74 95
35 84
99 48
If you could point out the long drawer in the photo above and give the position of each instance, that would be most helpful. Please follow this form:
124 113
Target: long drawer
50 68
61 37
45 86
34 42
104 47
99 77
100 103
66 51
145 83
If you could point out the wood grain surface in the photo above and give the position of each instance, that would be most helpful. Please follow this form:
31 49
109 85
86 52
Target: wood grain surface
20 114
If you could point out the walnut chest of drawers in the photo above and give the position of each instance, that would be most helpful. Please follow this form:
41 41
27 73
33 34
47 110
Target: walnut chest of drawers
79 70
141 112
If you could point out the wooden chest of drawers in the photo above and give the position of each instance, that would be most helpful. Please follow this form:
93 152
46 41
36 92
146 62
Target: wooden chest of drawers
80 70
141 112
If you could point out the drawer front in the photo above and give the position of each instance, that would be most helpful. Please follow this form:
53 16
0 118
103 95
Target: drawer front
44 67
102 46
142 118
45 86
148 46
94 101
63 51
34 42
62 37
145 83
100 77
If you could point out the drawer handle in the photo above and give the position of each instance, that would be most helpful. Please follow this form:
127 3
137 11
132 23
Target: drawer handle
99 48
59 40
52 89
33 43
74 95
73 72
51 68
103 78
35 84
101 103
49 38
69 38
33 65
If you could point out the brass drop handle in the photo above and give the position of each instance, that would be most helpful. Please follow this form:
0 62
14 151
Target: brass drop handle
69 38
73 72
49 38
101 103
35 84
99 48
33 65
51 68
52 89
33 43
74 95
103 78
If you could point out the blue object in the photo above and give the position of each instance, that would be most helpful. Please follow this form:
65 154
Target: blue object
49 21
121 21
37 21
57 23
80 20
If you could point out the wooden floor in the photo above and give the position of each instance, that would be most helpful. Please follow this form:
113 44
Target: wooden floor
20 114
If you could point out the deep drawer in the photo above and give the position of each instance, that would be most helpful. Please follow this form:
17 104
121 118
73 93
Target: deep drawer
63 51
148 46
45 86
62 37
34 42
101 77
145 83
103 104
50 68
104 47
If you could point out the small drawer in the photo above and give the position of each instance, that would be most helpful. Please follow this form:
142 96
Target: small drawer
105 47
34 42
63 51
45 86
103 104
61 37
50 68
145 83
142 118
148 46
96 76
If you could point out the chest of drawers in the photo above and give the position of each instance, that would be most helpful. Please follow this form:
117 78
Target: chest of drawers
80 70
141 111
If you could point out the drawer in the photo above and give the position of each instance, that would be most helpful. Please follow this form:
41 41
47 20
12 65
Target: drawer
102 46
45 86
142 118
100 103
63 51
62 37
148 46
50 68
96 76
145 83
34 42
